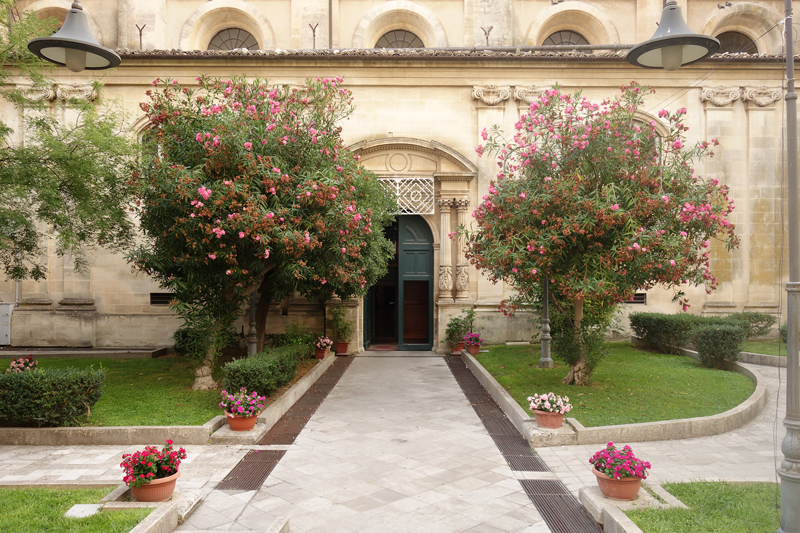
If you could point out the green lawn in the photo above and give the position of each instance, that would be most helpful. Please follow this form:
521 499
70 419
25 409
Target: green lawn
768 347
629 386
715 508
145 392
42 511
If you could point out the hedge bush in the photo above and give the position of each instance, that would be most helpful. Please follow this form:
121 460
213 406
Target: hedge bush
265 371
50 397
717 343
760 324
663 332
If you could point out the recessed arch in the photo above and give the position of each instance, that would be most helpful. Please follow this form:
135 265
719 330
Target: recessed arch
402 15
434 150
579 17
751 19
211 18
56 9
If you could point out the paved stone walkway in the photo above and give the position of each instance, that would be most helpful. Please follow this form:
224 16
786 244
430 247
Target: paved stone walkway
396 447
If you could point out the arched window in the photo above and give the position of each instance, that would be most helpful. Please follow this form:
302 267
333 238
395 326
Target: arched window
233 38
399 39
735 42
565 37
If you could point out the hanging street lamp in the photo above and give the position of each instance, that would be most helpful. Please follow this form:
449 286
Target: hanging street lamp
673 45
73 45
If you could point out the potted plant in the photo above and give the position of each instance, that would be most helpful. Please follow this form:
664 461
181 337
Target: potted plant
454 334
241 409
619 473
473 342
321 346
549 409
151 474
342 329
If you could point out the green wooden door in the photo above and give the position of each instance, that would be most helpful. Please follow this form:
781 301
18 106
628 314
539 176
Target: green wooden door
415 284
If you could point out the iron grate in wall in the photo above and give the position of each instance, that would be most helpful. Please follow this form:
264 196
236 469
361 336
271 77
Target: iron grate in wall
161 298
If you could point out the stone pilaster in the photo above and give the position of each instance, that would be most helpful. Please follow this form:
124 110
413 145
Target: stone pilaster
462 266
445 252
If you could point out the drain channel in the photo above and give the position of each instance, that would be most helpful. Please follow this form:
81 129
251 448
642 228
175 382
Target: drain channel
561 511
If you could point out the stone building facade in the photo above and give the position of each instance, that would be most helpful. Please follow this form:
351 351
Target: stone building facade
419 114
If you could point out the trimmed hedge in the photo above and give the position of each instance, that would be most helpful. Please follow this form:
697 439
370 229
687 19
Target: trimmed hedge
663 332
49 397
717 343
760 323
265 371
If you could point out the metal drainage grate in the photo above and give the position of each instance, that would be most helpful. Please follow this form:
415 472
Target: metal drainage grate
251 471
561 511
286 430
526 463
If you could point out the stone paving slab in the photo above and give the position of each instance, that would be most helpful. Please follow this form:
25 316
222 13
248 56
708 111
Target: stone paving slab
395 447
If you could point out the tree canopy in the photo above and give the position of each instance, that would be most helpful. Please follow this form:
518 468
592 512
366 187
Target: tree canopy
61 179
251 188
598 202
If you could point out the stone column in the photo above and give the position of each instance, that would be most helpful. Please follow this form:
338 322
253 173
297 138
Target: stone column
462 267
445 252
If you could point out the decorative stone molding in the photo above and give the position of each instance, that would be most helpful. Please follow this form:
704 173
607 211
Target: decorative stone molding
446 203
77 90
490 94
720 96
462 279
525 94
762 96
445 278
40 94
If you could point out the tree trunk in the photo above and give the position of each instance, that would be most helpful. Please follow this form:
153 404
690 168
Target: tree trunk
202 374
579 372
262 310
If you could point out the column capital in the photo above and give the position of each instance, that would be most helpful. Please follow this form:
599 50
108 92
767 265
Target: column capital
462 205
720 96
762 96
491 94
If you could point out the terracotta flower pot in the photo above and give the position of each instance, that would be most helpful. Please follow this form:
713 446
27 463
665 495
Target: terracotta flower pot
626 488
457 348
158 490
473 349
241 423
342 348
320 353
548 420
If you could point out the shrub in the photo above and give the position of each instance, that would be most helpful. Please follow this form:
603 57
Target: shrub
784 333
717 343
265 371
49 398
663 332
760 324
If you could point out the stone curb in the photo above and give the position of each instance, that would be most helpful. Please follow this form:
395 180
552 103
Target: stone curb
130 435
270 416
642 432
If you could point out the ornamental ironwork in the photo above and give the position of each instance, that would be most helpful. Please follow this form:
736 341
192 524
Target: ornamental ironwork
414 195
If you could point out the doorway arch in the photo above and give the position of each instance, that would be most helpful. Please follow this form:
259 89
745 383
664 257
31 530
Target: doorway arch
399 308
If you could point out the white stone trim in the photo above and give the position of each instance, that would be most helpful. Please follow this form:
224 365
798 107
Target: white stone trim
217 15
399 14
589 21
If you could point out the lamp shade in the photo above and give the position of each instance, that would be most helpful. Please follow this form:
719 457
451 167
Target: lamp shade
673 45
73 45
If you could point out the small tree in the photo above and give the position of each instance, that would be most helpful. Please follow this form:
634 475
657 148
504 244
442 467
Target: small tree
66 180
251 189
600 204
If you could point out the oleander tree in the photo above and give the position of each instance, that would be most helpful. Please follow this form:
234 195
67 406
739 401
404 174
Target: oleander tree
63 181
250 188
602 206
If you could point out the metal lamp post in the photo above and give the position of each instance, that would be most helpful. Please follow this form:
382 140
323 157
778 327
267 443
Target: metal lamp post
73 46
662 51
